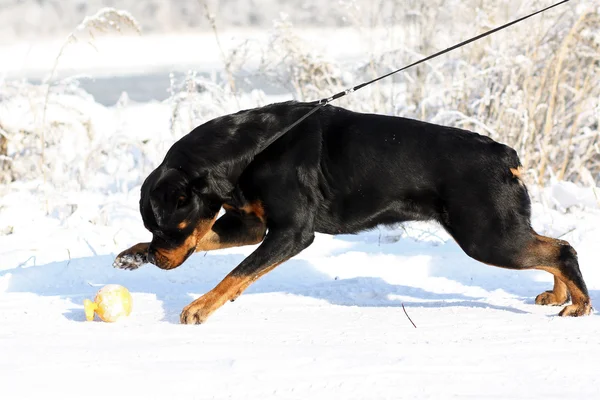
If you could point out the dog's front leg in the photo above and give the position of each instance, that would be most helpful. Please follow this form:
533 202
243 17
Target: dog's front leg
277 248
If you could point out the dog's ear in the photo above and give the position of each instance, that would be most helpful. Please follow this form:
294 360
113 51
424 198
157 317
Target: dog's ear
168 195
199 184
213 187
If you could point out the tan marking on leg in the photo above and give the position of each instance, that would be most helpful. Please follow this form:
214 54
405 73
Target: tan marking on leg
546 239
255 208
257 277
212 241
544 254
558 296
581 303
543 251
198 311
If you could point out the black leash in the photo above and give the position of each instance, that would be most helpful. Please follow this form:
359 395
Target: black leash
320 103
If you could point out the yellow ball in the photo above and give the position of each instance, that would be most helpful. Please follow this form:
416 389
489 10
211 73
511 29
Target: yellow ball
112 302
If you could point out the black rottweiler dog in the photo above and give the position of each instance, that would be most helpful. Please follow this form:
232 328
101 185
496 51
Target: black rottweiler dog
337 172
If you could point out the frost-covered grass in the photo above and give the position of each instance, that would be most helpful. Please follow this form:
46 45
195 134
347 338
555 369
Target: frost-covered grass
533 86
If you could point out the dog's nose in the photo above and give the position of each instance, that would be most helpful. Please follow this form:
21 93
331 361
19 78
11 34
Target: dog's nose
151 258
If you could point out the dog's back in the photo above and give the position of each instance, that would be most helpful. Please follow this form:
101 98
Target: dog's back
379 169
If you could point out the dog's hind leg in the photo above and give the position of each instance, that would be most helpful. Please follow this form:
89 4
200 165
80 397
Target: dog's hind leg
559 294
515 246
560 259
491 223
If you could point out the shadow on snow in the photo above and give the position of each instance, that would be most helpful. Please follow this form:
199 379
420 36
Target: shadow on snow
78 279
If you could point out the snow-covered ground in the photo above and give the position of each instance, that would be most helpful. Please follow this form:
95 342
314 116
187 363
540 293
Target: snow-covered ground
138 54
327 324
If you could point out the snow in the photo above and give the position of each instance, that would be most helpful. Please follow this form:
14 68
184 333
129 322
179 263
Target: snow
129 54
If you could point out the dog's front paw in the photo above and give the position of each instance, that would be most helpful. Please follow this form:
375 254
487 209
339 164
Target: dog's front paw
198 311
132 258
129 261
549 298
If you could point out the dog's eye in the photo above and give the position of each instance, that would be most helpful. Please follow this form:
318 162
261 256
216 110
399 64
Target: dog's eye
181 201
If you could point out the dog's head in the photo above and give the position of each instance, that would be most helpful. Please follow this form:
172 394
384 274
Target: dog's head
178 210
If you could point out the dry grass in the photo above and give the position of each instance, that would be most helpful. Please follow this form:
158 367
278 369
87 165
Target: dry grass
292 63
542 100
106 20
5 160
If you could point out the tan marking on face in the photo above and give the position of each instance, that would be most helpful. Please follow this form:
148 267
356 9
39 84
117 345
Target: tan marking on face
182 225
172 258
203 238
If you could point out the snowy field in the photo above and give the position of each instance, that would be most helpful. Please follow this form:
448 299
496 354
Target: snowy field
328 324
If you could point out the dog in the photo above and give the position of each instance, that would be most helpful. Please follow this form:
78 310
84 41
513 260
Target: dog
338 172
